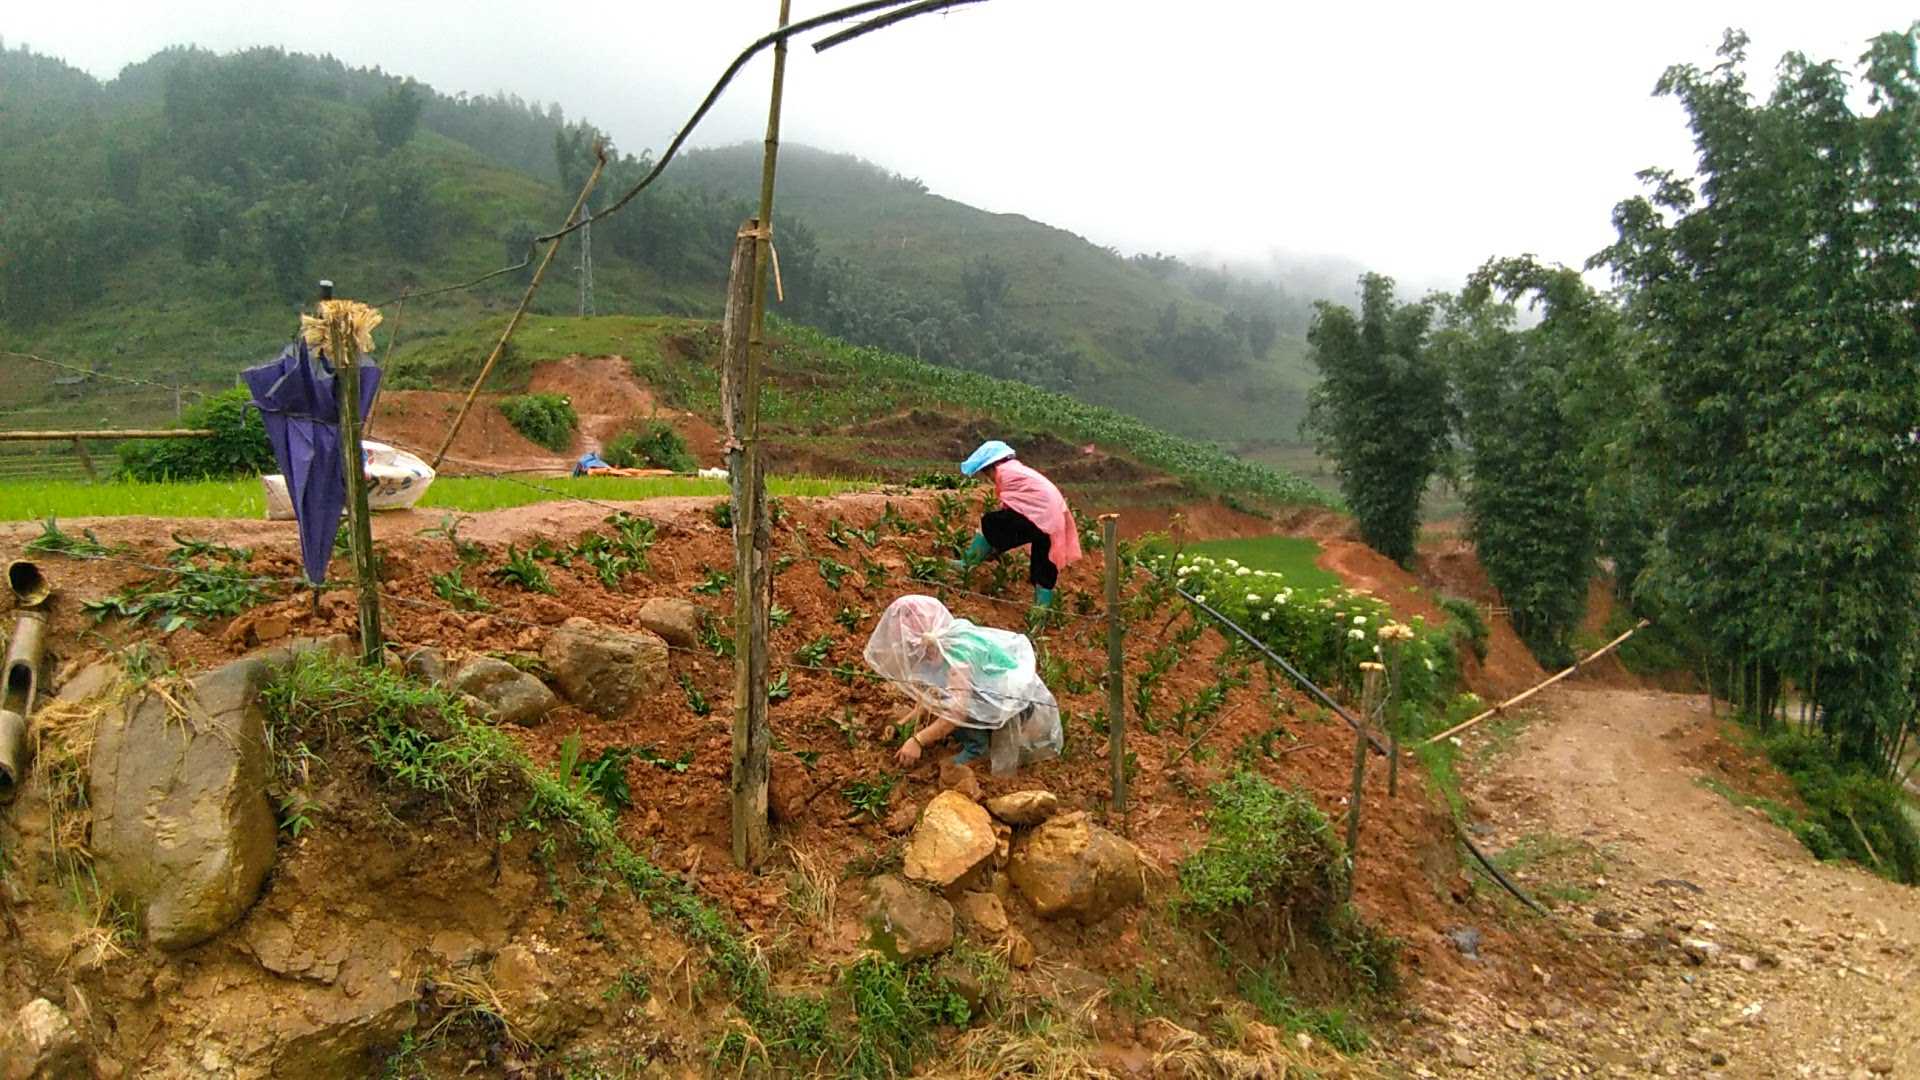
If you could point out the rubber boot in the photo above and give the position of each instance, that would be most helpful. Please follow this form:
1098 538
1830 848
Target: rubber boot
1042 598
976 553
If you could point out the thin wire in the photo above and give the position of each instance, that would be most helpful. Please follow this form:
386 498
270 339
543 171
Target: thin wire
881 22
90 373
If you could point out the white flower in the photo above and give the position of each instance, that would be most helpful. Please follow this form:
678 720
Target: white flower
1253 598
1359 620
1357 635
1201 599
1242 572
1281 597
1376 650
1455 740
1266 616
1233 562
1429 663
1184 571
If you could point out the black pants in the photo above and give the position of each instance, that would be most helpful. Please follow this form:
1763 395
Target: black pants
1009 529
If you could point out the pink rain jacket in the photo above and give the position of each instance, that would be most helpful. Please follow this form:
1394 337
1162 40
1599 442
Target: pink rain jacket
1035 498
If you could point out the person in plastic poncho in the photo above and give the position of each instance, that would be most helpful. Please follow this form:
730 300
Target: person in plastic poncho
975 683
1032 513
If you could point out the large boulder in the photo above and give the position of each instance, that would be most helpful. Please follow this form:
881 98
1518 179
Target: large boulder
1071 866
1024 808
676 621
603 670
510 695
906 922
953 839
181 823
41 1044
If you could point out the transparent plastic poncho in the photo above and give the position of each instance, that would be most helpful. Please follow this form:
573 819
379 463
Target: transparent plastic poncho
975 676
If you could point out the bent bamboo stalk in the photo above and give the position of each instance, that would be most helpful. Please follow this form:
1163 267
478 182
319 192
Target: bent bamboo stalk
1525 694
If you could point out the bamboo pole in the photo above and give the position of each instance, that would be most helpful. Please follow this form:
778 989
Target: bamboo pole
1525 694
1116 673
86 462
107 433
553 248
1370 674
753 584
345 355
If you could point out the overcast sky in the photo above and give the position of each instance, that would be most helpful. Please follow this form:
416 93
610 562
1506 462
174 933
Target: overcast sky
1416 138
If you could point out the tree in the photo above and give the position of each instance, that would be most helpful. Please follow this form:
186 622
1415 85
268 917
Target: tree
984 283
1775 296
395 115
401 204
1524 449
1379 411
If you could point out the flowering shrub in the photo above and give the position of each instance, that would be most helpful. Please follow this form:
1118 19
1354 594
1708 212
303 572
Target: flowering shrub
1326 632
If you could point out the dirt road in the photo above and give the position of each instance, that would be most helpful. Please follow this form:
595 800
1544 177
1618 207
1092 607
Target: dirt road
1737 954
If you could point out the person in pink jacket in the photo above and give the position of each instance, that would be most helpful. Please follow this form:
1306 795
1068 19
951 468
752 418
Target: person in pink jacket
1032 514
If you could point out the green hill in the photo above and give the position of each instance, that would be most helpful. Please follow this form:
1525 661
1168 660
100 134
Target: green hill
165 225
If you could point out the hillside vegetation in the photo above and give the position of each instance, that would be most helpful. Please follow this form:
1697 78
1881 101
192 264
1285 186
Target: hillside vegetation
165 224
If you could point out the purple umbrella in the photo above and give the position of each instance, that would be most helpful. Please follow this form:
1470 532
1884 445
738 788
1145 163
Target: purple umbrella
296 398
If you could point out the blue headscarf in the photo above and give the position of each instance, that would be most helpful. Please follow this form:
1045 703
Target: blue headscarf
991 452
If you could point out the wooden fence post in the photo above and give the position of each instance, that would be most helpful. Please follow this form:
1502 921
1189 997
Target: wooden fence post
345 354
751 583
85 461
1369 700
1116 673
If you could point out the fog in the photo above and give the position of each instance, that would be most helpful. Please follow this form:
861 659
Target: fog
1417 139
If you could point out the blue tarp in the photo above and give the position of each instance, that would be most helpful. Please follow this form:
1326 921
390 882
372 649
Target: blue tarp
296 398
587 461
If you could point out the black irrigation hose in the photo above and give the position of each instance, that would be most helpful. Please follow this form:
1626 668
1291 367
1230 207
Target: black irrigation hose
1378 744
1494 870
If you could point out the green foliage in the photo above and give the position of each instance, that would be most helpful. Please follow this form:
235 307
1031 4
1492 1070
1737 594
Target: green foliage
546 419
897 1010
870 797
524 571
655 445
780 689
814 653
208 581
833 573
1267 990
1852 811
453 590
1379 411
1771 288
52 541
239 446
1267 848
1466 614
696 701
604 775
1524 447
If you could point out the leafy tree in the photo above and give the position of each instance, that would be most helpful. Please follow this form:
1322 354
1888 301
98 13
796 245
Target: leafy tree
239 446
1379 411
395 115
1525 466
984 283
401 204
1774 291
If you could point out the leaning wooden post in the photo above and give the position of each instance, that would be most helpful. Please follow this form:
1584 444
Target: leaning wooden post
86 462
513 323
1116 673
1369 698
752 534
344 325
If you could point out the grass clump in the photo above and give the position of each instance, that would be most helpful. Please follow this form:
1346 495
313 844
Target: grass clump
656 445
1469 622
1268 849
547 419
1852 813
897 1009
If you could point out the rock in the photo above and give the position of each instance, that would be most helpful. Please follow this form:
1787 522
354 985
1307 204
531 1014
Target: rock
427 664
1699 950
1024 808
982 911
511 696
181 822
960 778
605 671
1719 1059
962 980
789 788
41 1044
1746 963
902 819
676 621
337 1035
1608 920
268 629
1462 1058
1019 950
1467 940
537 1004
905 922
1071 866
91 681
338 645
954 837
1002 844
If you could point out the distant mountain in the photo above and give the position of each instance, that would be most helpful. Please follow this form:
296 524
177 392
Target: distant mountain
167 223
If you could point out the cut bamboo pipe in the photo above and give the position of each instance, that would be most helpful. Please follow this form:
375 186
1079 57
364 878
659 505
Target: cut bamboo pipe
29 584
18 689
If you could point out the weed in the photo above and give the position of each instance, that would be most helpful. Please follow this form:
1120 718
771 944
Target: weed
780 689
52 541
634 983
778 617
522 570
1138 995
293 815
849 618
547 419
870 797
1267 847
896 1009
1265 989
604 776
1470 623
722 514
216 588
464 550
717 582
811 888
453 590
